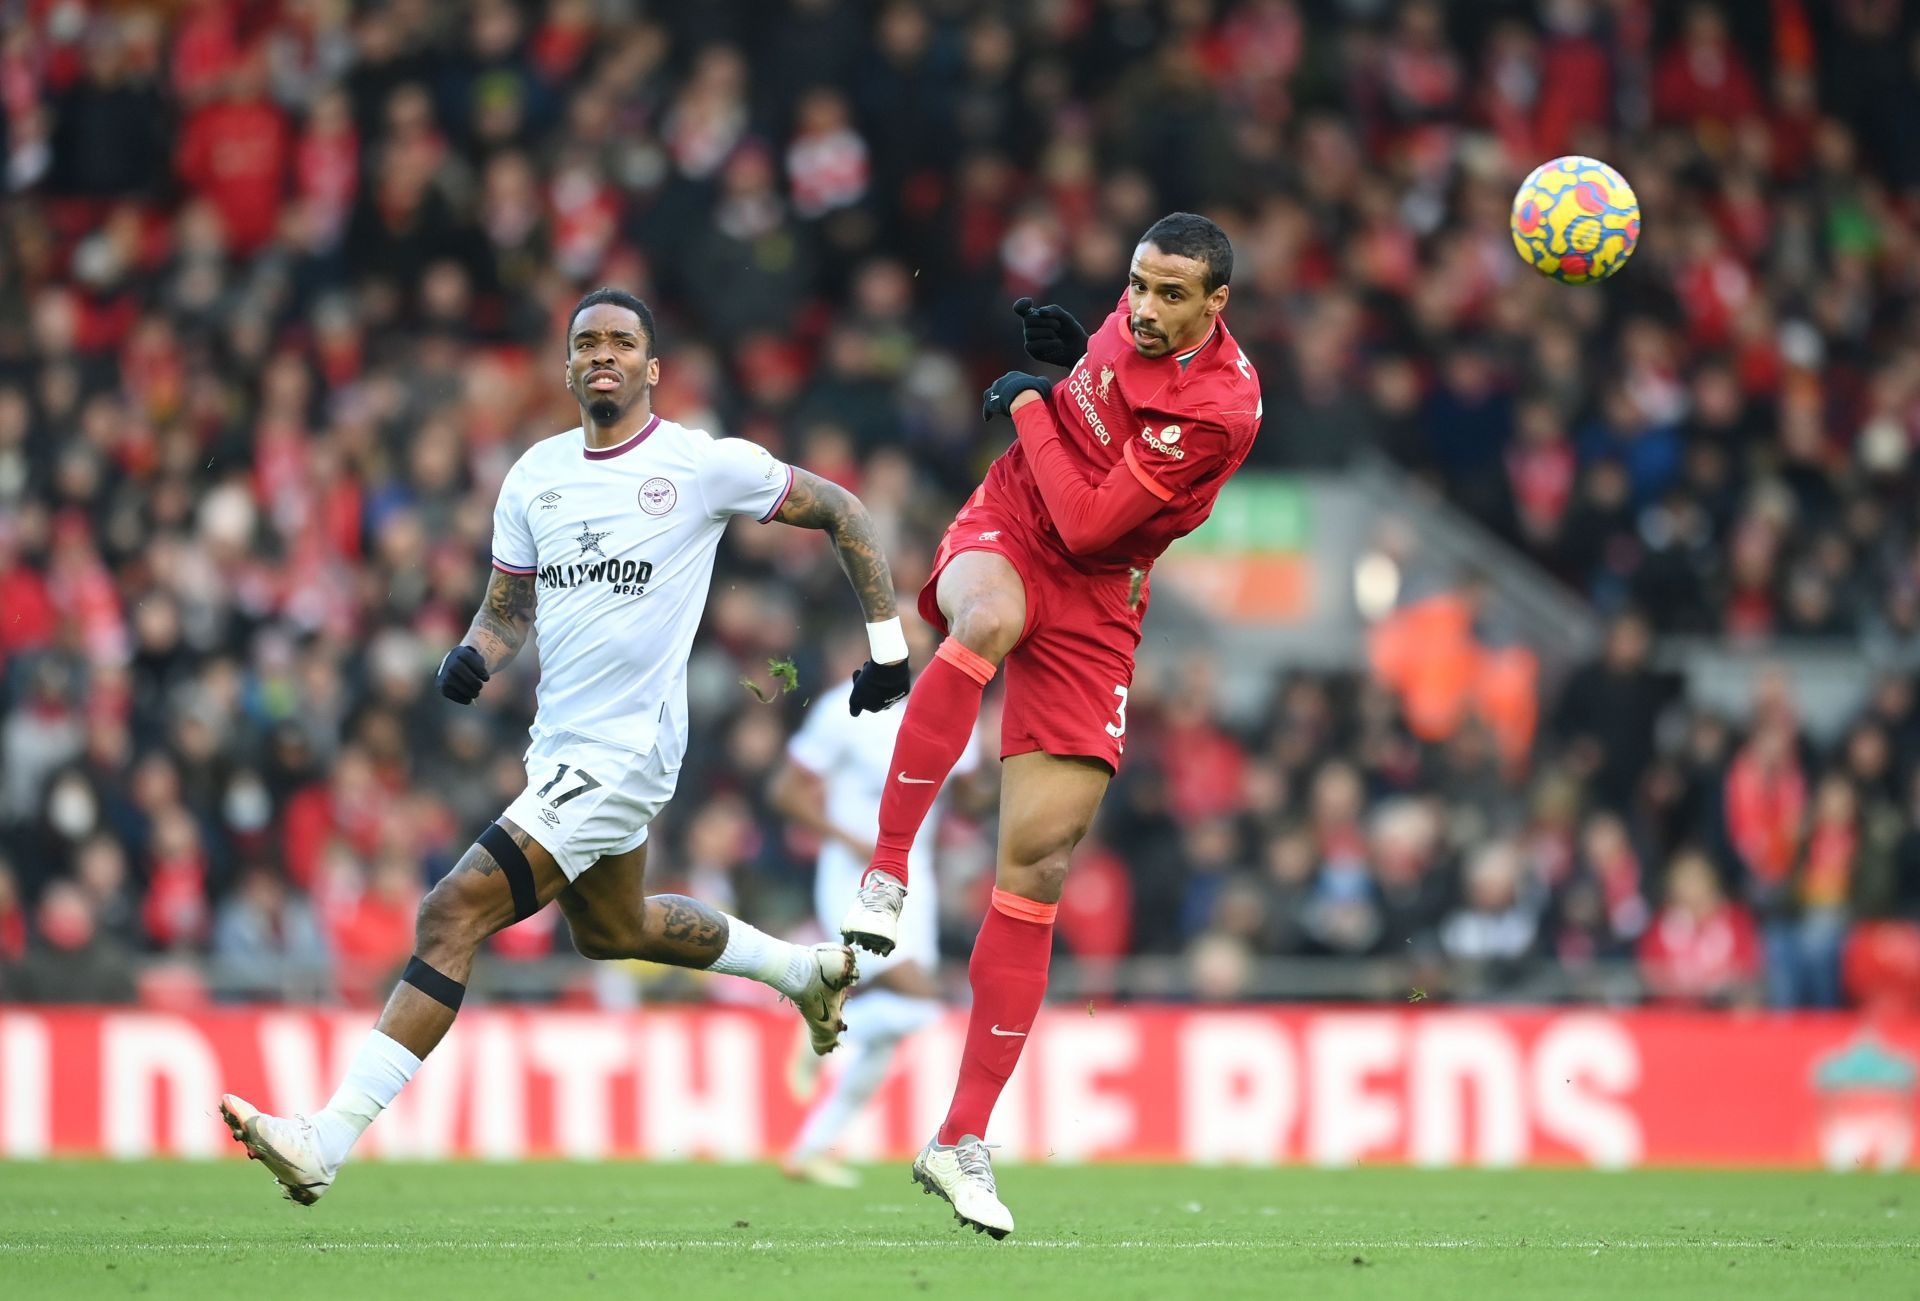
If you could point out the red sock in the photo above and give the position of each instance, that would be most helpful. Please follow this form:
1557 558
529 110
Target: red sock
941 712
1009 977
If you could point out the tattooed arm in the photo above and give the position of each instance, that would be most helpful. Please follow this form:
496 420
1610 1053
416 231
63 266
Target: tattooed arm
505 617
815 503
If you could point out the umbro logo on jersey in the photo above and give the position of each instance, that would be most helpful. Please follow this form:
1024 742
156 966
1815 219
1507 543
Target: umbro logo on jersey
548 500
590 541
657 496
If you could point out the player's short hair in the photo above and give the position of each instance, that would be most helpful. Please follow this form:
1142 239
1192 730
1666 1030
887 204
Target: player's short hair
619 298
1188 234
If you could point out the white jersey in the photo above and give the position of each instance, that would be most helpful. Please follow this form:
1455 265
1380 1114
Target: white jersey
621 541
853 757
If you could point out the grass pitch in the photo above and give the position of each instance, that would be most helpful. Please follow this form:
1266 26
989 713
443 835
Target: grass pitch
75 1230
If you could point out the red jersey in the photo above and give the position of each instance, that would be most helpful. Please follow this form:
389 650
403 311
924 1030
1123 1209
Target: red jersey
1181 429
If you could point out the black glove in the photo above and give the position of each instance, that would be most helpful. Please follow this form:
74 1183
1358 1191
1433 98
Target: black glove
877 687
462 673
1049 333
998 399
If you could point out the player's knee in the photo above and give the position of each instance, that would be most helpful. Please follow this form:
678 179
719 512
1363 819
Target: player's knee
988 626
449 921
1041 880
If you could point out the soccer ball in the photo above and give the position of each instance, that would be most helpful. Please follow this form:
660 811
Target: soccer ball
1575 220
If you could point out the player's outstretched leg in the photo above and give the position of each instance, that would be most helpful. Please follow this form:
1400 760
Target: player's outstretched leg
504 877
882 1021
1046 805
611 916
985 607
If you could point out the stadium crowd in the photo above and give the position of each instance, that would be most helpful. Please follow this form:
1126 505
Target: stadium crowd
282 287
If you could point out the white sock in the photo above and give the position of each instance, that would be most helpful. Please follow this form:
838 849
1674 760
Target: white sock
380 1070
877 1024
847 1092
885 1012
758 956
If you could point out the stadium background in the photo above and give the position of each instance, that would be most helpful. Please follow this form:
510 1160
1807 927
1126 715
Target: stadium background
1557 648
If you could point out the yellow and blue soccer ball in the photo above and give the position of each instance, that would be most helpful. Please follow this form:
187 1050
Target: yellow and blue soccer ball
1575 220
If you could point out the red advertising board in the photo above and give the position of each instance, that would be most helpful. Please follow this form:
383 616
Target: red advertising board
1326 1086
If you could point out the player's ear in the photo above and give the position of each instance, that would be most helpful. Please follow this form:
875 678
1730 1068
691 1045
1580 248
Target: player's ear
1217 301
653 372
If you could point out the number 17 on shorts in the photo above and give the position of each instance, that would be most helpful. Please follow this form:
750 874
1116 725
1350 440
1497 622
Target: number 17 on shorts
587 801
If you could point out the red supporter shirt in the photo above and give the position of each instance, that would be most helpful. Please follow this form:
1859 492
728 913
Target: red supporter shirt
235 153
1181 430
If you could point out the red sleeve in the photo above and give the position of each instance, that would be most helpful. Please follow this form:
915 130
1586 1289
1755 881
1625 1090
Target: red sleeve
1089 516
1172 458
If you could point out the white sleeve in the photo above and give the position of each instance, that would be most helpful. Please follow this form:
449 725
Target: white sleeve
513 547
742 478
817 746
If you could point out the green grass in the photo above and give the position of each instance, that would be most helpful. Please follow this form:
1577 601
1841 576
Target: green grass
74 1230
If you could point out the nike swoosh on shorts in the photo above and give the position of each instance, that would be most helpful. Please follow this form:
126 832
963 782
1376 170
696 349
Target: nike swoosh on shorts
1010 1034
914 781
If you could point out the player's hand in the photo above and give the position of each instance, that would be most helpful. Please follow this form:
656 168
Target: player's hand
877 687
462 673
998 399
1049 333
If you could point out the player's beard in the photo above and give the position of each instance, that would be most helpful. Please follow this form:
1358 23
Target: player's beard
606 408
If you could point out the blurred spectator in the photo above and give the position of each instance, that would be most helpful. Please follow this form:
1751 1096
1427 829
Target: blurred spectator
1497 922
100 870
369 922
1609 709
1701 948
266 939
1805 970
68 960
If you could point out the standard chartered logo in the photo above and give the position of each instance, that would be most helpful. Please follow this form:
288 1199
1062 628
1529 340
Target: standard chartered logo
1081 389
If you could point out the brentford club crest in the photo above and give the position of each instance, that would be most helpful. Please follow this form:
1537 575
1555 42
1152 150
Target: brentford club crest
657 496
1106 382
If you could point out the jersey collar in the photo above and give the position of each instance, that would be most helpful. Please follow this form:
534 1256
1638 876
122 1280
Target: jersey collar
608 453
1168 367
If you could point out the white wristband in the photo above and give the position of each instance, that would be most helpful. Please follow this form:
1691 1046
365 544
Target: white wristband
887 640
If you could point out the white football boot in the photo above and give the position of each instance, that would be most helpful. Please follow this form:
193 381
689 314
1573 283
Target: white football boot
822 1171
286 1145
873 922
826 995
963 1174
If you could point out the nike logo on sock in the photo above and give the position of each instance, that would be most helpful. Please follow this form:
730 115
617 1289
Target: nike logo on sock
914 781
1010 1034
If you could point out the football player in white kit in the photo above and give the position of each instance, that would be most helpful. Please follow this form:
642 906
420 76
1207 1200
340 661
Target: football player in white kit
603 547
831 782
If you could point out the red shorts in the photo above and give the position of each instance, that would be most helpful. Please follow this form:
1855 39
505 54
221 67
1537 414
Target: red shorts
1069 674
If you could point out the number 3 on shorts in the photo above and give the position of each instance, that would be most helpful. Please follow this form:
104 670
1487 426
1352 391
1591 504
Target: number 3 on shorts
586 784
1117 729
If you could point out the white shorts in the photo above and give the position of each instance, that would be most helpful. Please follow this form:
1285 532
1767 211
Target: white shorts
586 799
836 878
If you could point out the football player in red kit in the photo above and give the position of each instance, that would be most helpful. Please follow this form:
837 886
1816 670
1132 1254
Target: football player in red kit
1045 571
